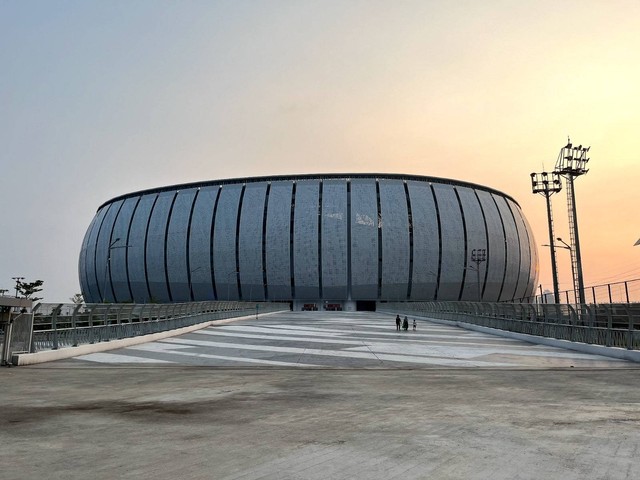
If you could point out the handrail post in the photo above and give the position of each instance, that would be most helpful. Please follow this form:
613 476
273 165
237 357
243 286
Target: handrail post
630 330
626 290
74 328
54 324
609 325
91 332
106 325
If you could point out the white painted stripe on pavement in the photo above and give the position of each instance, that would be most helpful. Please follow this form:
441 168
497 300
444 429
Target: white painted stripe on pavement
340 353
166 349
343 339
117 358
461 352
342 333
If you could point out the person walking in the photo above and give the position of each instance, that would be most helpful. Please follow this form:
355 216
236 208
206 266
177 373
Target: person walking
405 324
414 324
398 323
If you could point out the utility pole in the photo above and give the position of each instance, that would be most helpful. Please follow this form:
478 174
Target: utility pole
546 184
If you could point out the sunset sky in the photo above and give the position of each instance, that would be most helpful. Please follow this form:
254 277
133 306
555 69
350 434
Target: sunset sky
103 98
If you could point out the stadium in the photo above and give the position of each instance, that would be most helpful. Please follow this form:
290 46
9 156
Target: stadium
320 242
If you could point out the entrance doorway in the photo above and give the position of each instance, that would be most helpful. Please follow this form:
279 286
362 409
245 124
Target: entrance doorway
366 305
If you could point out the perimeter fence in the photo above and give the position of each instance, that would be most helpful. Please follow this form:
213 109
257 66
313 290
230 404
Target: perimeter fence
611 325
627 291
69 325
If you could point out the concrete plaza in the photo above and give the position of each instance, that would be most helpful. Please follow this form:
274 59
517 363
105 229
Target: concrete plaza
319 395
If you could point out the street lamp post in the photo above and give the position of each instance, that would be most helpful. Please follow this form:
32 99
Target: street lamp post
578 295
191 282
478 255
566 246
107 269
18 282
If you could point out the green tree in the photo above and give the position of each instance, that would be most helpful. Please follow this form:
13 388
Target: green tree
27 289
77 298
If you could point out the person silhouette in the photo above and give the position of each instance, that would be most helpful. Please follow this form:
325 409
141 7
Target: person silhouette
414 324
405 324
398 323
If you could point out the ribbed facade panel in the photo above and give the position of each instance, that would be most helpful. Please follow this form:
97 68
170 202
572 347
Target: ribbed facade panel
364 240
119 274
426 247
305 240
452 262
311 239
177 246
495 264
86 267
525 255
395 240
512 271
334 236
476 236
250 241
200 244
533 250
224 243
93 278
278 241
156 248
104 241
137 251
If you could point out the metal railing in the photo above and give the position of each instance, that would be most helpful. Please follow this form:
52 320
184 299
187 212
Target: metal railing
627 291
611 325
66 325
15 335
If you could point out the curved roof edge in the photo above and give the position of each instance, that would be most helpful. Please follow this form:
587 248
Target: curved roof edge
309 176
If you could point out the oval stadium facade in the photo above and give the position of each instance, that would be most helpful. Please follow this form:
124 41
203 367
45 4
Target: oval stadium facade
333 241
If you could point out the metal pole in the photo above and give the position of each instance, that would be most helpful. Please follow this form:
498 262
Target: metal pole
478 255
107 268
626 291
554 265
18 281
541 295
574 213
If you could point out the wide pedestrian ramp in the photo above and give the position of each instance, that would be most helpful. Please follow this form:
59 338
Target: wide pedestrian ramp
343 340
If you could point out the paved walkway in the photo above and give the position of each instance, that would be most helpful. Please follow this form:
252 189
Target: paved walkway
352 340
183 409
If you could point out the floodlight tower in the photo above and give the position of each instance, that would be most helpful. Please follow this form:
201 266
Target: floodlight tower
546 184
571 163
478 255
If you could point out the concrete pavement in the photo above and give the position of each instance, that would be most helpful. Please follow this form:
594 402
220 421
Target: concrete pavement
395 419
345 339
